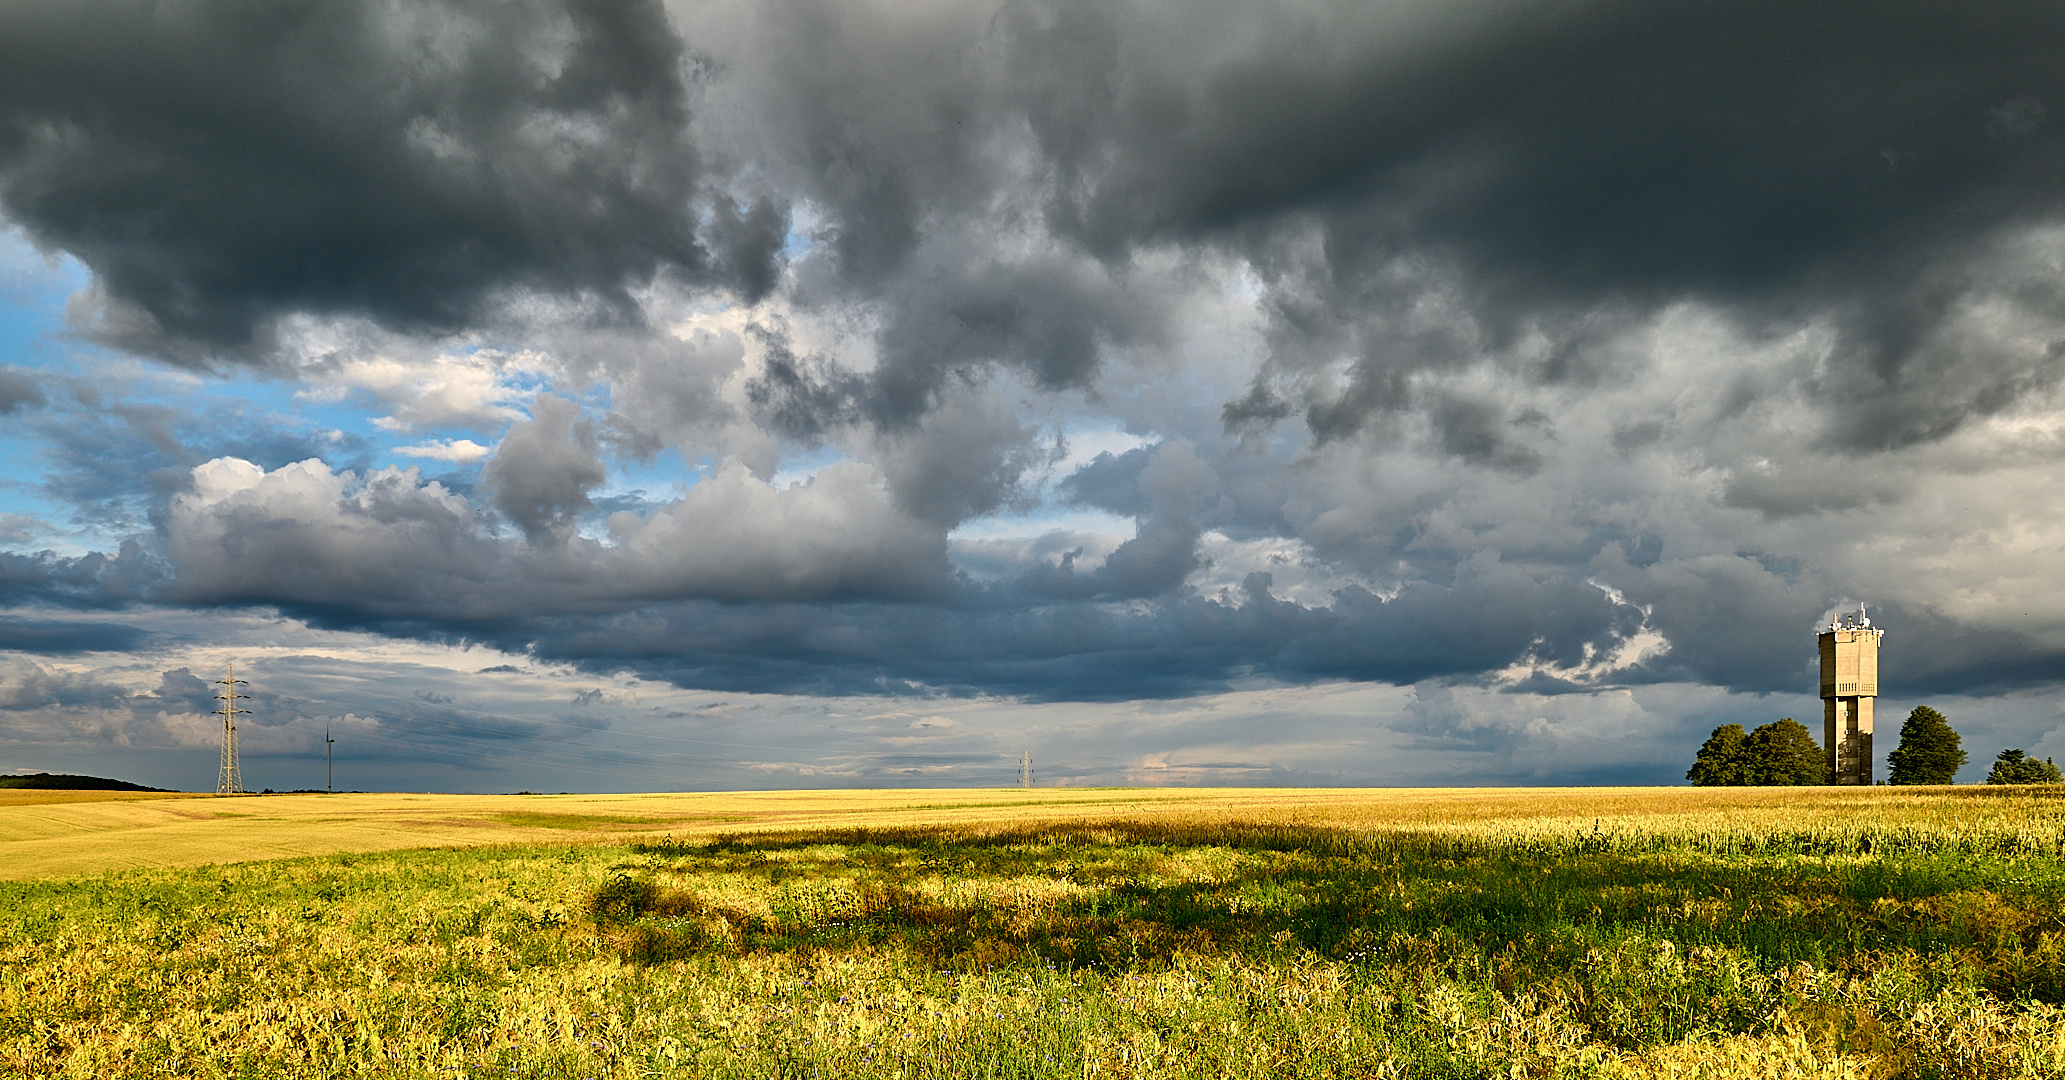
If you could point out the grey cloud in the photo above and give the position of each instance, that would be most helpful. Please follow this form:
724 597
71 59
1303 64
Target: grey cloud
1601 147
544 469
93 580
878 115
1813 486
1163 552
1494 615
802 397
1110 482
1050 318
392 552
1726 616
665 390
17 392
309 540
1479 432
60 636
959 462
1546 162
1167 487
215 170
1465 239
29 686
746 244
180 691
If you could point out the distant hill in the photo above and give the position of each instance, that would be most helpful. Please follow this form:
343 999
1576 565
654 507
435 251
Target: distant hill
66 782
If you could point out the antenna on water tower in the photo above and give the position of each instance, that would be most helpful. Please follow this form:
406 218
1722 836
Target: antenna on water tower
1025 769
229 780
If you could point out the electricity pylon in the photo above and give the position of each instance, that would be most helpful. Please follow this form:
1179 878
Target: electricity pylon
329 762
1025 769
229 780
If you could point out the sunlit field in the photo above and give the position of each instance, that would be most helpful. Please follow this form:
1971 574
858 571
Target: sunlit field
1807 932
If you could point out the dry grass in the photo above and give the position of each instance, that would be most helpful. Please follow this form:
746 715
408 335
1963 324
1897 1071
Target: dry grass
39 796
48 834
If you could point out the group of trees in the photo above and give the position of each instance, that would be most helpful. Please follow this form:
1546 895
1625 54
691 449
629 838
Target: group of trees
1778 754
2016 767
1783 754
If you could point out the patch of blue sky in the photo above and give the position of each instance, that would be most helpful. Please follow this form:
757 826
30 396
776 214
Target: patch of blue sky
796 243
801 466
33 290
1085 442
279 402
1050 527
662 478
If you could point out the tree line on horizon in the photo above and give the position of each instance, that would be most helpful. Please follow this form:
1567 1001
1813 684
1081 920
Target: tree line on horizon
1784 754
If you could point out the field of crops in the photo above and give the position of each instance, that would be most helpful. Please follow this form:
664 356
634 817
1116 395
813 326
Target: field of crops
1684 933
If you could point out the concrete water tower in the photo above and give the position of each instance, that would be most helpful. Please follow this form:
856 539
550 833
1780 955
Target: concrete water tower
1849 682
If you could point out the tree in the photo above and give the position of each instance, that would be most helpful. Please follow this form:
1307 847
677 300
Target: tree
1723 759
2016 767
1928 753
1782 754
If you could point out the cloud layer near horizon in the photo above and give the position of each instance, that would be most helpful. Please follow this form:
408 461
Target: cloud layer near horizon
1057 351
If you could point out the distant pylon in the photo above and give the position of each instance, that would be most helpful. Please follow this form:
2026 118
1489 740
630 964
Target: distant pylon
229 780
1025 769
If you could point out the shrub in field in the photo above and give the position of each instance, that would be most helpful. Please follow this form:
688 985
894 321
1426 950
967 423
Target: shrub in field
2016 767
1929 750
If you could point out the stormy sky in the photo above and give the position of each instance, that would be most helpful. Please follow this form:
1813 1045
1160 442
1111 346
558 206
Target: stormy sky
618 395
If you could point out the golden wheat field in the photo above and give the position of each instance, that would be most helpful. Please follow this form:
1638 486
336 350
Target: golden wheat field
1048 933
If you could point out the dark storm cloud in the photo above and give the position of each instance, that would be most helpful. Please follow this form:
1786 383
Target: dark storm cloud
1606 148
1559 170
26 686
802 397
1050 318
1493 616
94 580
29 687
59 636
216 166
1854 161
1047 318
1444 219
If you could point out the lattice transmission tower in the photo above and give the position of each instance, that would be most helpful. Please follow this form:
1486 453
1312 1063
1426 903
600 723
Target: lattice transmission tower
229 780
1025 769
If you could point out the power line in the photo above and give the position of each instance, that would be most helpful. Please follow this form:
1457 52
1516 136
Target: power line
229 779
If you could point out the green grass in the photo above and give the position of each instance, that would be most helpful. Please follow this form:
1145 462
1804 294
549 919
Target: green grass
1932 945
